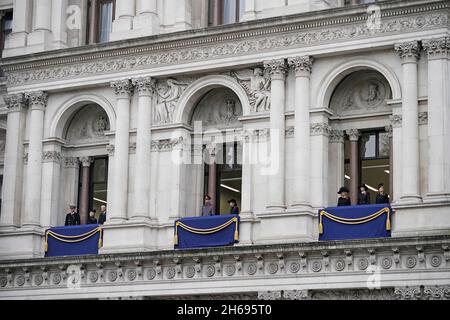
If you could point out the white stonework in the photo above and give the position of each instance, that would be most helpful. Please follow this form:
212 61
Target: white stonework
301 80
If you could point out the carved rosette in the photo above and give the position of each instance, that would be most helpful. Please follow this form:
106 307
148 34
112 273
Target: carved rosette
269 295
122 88
276 69
320 129
144 86
295 294
37 99
110 149
15 102
301 65
52 156
438 48
408 51
353 134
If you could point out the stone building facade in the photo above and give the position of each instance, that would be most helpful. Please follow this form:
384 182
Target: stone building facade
119 102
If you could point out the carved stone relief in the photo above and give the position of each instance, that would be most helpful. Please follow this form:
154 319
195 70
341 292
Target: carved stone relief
361 92
256 84
168 92
89 124
218 109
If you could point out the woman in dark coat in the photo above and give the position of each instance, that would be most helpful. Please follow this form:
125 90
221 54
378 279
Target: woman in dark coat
234 209
363 195
344 199
91 218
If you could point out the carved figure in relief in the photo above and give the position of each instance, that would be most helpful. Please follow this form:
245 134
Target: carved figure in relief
258 91
167 99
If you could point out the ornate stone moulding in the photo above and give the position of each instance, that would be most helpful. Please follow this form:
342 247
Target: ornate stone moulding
308 260
259 36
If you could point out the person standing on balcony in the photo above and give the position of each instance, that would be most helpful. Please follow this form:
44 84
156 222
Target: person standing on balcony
92 219
363 196
72 218
102 216
234 209
208 208
344 199
381 196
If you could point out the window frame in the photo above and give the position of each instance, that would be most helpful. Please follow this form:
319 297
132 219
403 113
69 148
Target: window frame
97 23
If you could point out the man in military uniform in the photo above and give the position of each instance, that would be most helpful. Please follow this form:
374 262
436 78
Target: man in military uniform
72 218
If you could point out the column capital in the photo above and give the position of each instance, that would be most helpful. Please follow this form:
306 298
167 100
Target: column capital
123 89
52 156
408 51
438 48
396 120
15 102
86 161
318 129
337 136
302 65
276 69
71 162
353 134
37 99
145 86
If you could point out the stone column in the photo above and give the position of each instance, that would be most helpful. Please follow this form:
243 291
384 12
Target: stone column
320 133
396 124
59 23
336 163
438 118
21 26
302 67
277 70
51 169
83 210
147 19
212 182
37 101
248 154
118 209
389 131
409 53
125 12
353 135
71 176
92 19
13 161
40 38
144 87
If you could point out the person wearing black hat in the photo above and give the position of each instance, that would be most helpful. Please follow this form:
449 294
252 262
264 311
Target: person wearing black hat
234 209
363 195
381 196
72 218
344 199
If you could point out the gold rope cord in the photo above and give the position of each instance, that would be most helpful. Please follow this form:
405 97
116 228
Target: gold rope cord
71 239
206 231
356 220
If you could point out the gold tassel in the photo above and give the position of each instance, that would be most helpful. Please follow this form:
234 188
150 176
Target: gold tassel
100 242
320 224
388 221
236 234
175 239
45 246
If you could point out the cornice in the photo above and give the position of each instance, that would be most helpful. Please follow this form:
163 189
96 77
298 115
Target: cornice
307 29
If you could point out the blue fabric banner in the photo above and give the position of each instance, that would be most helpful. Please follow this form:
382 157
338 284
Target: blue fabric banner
73 240
355 222
207 231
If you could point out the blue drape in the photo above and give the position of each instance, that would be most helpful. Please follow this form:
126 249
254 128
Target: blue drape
188 239
57 247
376 228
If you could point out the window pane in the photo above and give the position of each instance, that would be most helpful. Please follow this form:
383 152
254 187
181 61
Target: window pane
105 21
374 172
229 11
368 145
384 146
241 9
99 170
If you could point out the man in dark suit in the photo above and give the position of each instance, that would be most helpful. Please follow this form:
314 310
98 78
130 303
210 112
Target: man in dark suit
102 216
72 218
